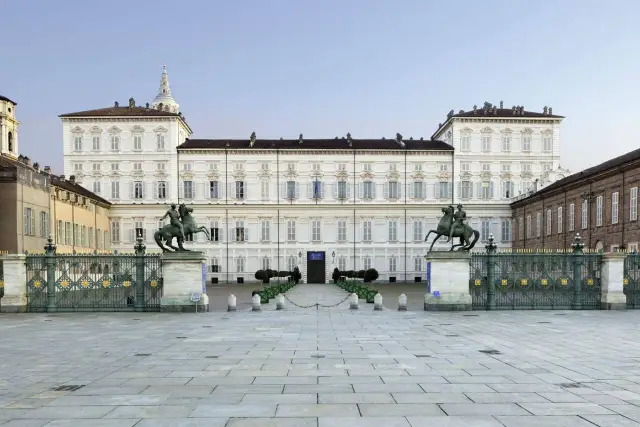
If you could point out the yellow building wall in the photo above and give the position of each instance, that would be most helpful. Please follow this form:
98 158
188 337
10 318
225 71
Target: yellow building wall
77 227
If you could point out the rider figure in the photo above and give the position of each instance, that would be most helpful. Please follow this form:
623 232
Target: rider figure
458 221
174 218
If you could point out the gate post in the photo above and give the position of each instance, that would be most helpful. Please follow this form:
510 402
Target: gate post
50 253
577 247
139 248
491 272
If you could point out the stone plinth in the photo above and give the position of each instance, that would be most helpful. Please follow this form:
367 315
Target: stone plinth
182 277
612 295
450 277
15 284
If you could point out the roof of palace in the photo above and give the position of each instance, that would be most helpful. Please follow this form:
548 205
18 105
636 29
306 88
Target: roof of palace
4 98
118 111
488 110
66 184
631 156
318 144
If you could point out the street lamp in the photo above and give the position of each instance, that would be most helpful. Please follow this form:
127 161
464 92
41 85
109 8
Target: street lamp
300 255
333 255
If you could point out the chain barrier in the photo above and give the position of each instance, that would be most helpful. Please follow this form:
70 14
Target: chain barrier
316 305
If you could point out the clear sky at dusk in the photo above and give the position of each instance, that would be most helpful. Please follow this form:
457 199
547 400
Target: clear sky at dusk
325 68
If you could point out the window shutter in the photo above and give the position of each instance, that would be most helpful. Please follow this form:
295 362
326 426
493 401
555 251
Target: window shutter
423 192
155 189
132 235
131 190
458 190
399 185
144 189
496 230
334 190
348 189
503 189
412 190
310 190
437 190
167 186
491 189
181 189
322 190
199 190
233 237
246 234
25 221
479 189
297 195
360 190
386 190
220 232
230 190
245 188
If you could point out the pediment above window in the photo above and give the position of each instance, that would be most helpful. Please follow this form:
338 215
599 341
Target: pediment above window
506 175
367 175
547 132
485 175
77 129
315 175
444 176
526 175
527 131
486 130
95 129
342 175
137 129
507 131
187 174
161 173
115 174
465 176
96 173
213 174
393 176
239 175
161 129
114 129
466 131
418 176
138 173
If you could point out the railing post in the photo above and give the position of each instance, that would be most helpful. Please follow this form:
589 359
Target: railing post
577 247
491 273
50 253
139 251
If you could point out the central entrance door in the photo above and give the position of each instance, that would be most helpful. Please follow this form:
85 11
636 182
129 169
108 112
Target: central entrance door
316 267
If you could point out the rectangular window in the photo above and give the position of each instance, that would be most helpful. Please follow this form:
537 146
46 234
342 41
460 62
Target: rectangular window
138 227
44 224
187 188
96 187
137 190
29 227
76 234
115 142
485 190
444 190
214 231
485 229
393 230
393 264
137 142
465 143
186 167
521 228
83 236
466 190
315 230
547 144
367 190
367 262
366 167
486 143
214 187
614 207
342 230
115 190
115 167
366 231
77 143
548 222
240 231
316 189
240 265
560 219
77 167
264 190
529 226
506 144
547 167
60 233
90 237
342 190
95 167
507 189
162 190
633 204
538 224
265 263
418 190
572 216
526 143
265 230
417 264
240 190
465 166
342 263
95 143
291 190
68 233
417 167
443 167
505 227
291 230
526 167
137 166
394 190
160 141
291 263
599 205
417 230
585 214
291 167
505 167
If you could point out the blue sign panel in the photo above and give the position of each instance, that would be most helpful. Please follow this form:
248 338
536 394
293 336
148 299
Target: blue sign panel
428 276
316 256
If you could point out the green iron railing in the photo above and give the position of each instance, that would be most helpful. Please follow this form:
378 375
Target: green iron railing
568 280
354 286
58 282
271 291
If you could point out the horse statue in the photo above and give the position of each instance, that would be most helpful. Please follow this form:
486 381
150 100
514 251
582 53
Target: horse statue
170 231
461 230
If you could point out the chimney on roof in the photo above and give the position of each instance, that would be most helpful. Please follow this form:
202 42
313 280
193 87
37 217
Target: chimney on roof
132 102
27 161
281 139
61 177
72 179
410 138
116 104
461 111
20 158
421 139
550 111
36 166
495 110
501 105
545 110
300 139
349 140
146 106
450 114
47 169
475 110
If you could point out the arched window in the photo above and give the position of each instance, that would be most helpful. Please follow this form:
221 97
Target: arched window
10 137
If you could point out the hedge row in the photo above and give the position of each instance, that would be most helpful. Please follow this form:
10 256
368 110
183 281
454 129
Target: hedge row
362 291
270 292
265 275
367 275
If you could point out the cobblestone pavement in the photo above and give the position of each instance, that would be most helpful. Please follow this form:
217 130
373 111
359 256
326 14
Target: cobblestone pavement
321 367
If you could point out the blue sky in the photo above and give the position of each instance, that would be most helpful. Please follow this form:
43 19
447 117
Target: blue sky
325 68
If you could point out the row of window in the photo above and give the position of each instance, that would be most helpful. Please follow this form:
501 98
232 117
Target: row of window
31 218
240 264
114 142
506 143
239 232
80 235
584 217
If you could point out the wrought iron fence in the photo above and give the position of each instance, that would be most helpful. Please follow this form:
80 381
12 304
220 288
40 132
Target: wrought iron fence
535 280
631 281
94 282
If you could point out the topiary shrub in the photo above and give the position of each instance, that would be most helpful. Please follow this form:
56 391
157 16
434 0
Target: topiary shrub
370 275
262 276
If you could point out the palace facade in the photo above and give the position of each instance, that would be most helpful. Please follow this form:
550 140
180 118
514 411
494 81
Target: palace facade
273 203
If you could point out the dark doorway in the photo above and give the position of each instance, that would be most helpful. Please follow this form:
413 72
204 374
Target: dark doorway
316 267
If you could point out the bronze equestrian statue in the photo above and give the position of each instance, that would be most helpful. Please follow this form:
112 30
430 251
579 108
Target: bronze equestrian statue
181 225
452 225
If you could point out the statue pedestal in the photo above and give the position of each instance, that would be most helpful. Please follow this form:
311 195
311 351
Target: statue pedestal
449 276
182 279
14 283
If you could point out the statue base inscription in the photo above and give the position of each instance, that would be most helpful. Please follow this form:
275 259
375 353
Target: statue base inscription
449 281
182 279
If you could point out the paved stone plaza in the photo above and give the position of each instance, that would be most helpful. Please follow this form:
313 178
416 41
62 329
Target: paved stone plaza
321 367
